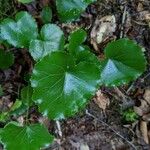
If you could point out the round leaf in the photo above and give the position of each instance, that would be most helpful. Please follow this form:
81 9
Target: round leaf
32 137
19 33
6 59
124 62
52 39
70 10
62 88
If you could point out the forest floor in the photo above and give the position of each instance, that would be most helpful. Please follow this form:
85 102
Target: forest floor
101 126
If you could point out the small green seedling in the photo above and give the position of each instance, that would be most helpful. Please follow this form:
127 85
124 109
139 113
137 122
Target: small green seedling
65 75
129 115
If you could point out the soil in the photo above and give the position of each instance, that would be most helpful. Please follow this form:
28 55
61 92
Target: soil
94 128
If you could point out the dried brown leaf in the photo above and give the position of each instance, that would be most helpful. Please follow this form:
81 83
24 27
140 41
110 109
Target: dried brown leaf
103 29
101 100
144 131
142 109
147 96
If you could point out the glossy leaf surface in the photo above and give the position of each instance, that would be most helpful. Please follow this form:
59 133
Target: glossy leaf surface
124 62
19 33
62 88
78 50
52 39
70 10
32 137
76 38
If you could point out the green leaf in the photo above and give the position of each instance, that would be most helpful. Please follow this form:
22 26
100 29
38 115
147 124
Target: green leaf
1 90
25 1
129 115
26 94
62 88
76 38
6 59
4 116
84 54
21 32
19 111
79 51
124 62
46 14
52 39
16 105
70 10
32 137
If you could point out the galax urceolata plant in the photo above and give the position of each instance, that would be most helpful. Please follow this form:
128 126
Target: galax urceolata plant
66 74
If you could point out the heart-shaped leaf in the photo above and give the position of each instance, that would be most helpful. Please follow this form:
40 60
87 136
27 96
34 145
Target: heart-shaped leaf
6 59
21 32
62 88
124 62
79 51
70 10
32 137
52 39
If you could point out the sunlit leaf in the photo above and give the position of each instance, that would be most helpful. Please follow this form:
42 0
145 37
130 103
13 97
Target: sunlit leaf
78 50
61 87
52 39
19 33
70 10
32 137
124 62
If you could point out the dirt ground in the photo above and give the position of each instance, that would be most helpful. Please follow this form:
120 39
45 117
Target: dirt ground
100 126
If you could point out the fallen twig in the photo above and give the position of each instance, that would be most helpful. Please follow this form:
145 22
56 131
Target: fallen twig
104 123
59 128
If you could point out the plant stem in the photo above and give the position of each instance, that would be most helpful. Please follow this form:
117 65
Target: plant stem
59 128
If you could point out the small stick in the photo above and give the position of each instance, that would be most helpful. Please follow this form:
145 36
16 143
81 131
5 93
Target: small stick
144 131
123 21
129 89
89 114
59 128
